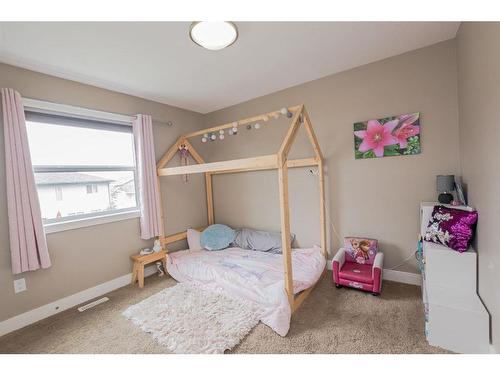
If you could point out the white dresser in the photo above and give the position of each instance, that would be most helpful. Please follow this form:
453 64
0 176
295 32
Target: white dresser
455 317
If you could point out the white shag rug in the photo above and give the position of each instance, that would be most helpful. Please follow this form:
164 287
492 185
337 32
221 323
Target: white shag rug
189 319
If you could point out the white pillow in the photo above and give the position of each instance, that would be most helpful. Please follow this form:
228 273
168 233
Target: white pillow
193 238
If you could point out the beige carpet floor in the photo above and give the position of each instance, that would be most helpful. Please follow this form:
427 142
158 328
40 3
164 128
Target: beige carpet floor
329 321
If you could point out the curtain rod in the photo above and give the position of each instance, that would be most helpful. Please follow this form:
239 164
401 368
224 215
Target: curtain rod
46 106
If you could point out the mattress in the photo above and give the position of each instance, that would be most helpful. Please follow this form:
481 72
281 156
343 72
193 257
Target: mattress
250 275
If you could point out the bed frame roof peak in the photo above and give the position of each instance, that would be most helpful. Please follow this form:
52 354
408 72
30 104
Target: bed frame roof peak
273 161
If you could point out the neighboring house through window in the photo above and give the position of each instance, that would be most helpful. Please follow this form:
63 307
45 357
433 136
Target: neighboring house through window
88 163
74 186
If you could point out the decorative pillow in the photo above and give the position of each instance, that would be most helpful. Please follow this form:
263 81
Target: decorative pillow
217 237
451 227
259 240
193 238
360 250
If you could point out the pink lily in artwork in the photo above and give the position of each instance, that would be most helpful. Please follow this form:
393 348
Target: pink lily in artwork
377 136
404 132
406 129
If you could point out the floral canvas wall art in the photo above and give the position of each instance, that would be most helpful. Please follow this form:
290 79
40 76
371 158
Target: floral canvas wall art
390 136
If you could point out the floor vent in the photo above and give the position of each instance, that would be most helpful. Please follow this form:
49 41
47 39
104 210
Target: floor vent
93 304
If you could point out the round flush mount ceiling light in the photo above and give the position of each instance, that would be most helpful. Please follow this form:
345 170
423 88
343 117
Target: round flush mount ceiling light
213 35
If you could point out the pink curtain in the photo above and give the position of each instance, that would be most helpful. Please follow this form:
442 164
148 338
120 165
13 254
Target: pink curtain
151 223
28 246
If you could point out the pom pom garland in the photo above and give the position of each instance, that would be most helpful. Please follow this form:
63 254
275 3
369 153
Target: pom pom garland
284 111
232 128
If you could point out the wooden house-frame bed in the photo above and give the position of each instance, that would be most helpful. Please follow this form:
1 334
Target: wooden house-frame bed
277 161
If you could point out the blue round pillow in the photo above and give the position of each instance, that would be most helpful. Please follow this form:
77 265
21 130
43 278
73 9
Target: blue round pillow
217 237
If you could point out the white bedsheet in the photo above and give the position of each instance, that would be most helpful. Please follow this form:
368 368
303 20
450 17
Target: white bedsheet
252 275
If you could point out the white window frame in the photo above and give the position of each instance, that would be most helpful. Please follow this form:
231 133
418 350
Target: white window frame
89 114
59 193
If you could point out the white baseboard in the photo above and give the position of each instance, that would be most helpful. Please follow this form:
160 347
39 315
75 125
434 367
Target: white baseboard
392 275
42 312
402 277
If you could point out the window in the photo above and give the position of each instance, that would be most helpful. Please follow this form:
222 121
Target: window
89 163
91 188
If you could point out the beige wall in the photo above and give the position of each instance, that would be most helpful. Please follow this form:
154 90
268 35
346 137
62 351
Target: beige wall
86 257
376 198
479 93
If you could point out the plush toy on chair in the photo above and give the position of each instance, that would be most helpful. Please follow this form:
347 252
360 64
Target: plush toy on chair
359 265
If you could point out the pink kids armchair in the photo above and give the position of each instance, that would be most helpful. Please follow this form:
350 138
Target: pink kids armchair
359 265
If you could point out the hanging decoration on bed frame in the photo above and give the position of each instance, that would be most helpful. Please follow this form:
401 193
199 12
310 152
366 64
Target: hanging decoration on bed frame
279 161
184 155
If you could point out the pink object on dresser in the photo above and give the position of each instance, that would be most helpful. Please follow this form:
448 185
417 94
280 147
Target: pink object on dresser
365 275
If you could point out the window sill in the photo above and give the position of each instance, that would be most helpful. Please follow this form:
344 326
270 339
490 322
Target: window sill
89 222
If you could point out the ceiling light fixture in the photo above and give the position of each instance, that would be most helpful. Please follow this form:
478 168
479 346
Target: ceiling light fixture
213 35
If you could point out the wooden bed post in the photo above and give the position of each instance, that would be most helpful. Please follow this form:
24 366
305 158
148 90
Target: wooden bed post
210 198
284 206
285 231
321 179
322 218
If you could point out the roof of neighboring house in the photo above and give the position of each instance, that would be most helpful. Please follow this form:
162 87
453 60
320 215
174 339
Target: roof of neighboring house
70 178
127 186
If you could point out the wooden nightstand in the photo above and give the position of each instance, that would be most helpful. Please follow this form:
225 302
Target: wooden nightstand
142 260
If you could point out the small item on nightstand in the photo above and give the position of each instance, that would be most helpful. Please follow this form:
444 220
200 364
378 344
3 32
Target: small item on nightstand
146 251
444 185
157 246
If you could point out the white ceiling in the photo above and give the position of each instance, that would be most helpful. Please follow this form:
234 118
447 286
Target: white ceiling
158 61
